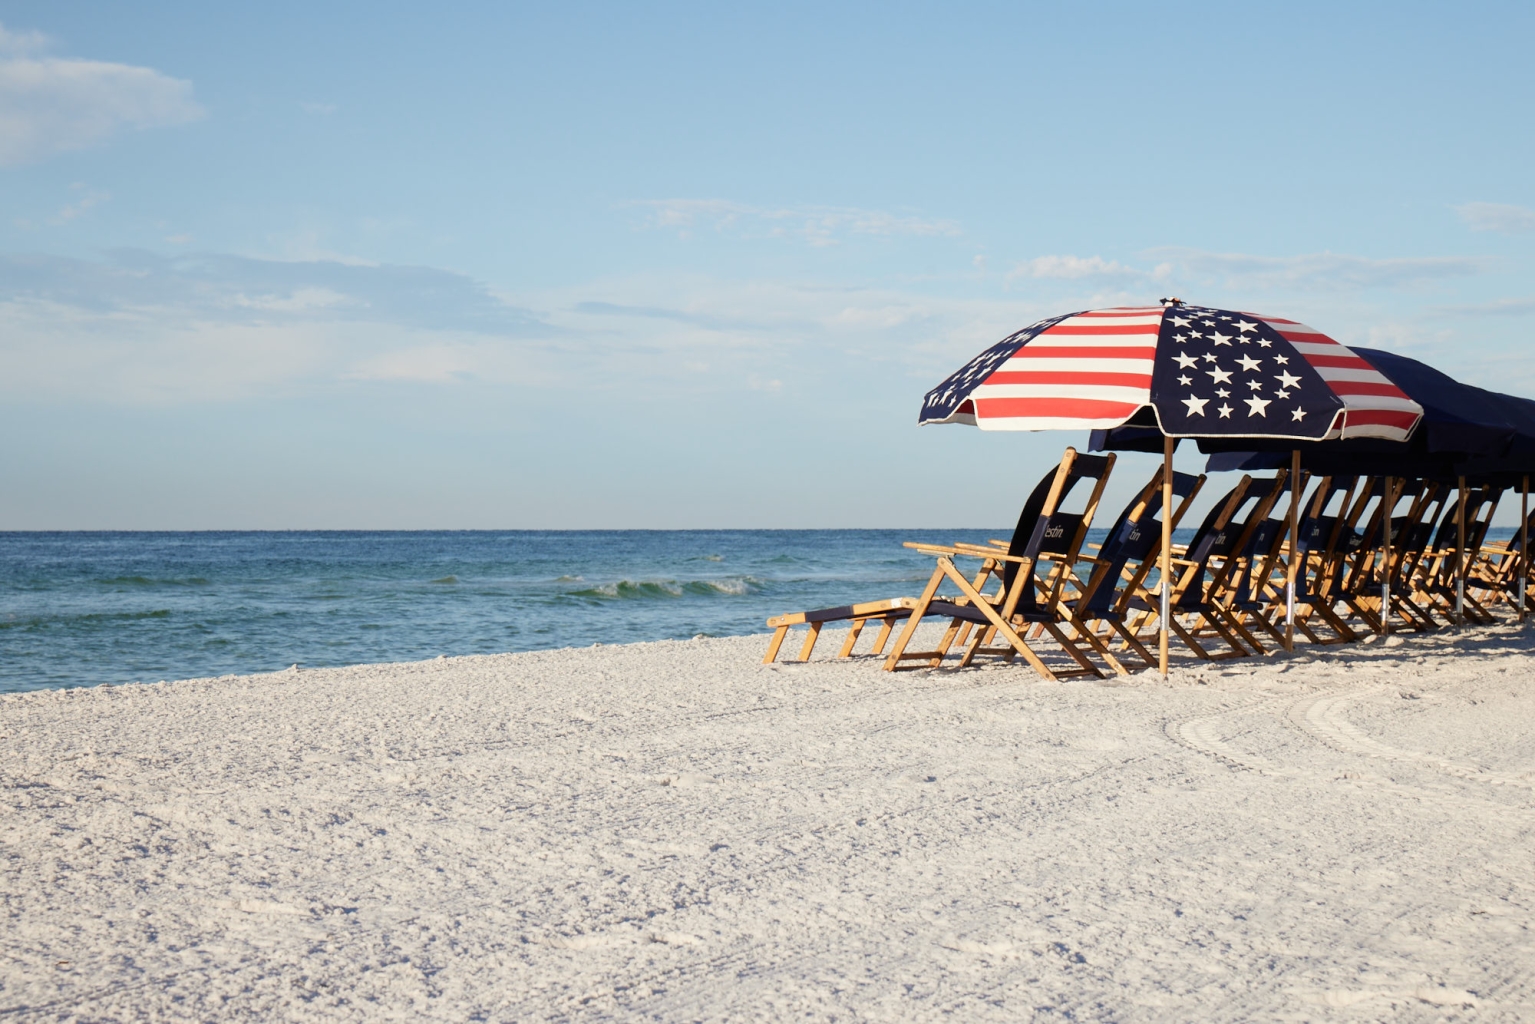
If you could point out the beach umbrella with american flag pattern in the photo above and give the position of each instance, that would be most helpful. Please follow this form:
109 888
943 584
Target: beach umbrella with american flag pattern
1192 371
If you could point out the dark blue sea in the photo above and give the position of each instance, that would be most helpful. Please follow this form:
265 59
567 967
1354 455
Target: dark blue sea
80 609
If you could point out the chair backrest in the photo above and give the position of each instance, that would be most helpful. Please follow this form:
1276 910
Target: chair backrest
1482 519
1323 535
1264 549
1211 532
1481 501
1410 534
1445 534
1428 502
1136 534
1045 530
1319 531
1237 544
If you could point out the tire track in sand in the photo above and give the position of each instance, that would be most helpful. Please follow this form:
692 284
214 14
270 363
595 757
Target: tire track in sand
1202 734
1324 718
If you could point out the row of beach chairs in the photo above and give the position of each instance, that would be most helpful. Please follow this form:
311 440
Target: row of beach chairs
1070 608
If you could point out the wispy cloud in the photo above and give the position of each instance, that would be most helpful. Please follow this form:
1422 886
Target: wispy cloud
51 105
817 225
1078 268
12 42
1326 270
89 197
1497 217
712 321
1323 270
138 325
1500 307
222 287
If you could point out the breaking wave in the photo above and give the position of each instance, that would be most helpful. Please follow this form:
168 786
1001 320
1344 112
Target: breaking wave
633 590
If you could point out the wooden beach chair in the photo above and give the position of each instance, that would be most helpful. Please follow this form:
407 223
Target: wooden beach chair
1031 576
1325 530
1132 549
1497 569
1116 567
1438 579
888 612
1257 573
1198 583
1410 537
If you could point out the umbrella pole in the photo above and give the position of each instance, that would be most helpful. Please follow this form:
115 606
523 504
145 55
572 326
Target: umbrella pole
1289 592
1167 551
1389 506
1524 542
1460 555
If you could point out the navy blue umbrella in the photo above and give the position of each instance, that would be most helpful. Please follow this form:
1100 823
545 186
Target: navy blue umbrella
1466 431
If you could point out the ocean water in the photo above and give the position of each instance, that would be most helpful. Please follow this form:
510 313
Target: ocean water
81 609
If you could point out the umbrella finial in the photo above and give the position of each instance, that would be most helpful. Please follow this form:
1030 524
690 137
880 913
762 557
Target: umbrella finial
1172 302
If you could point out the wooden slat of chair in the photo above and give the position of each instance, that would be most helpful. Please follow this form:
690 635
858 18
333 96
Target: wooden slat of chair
1016 573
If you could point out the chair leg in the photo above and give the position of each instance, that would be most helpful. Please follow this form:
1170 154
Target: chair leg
1231 641
884 635
1072 649
774 644
1095 643
852 638
974 648
815 632
1131 642
914 620
1188 639
957 628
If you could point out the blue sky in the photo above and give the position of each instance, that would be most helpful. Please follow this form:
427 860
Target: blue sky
379 265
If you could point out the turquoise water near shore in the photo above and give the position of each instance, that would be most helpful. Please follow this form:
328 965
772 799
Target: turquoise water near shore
81 609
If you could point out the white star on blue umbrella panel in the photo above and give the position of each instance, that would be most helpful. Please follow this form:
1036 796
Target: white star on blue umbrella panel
1222 373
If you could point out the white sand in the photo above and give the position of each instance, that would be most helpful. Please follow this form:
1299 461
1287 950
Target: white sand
672 832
